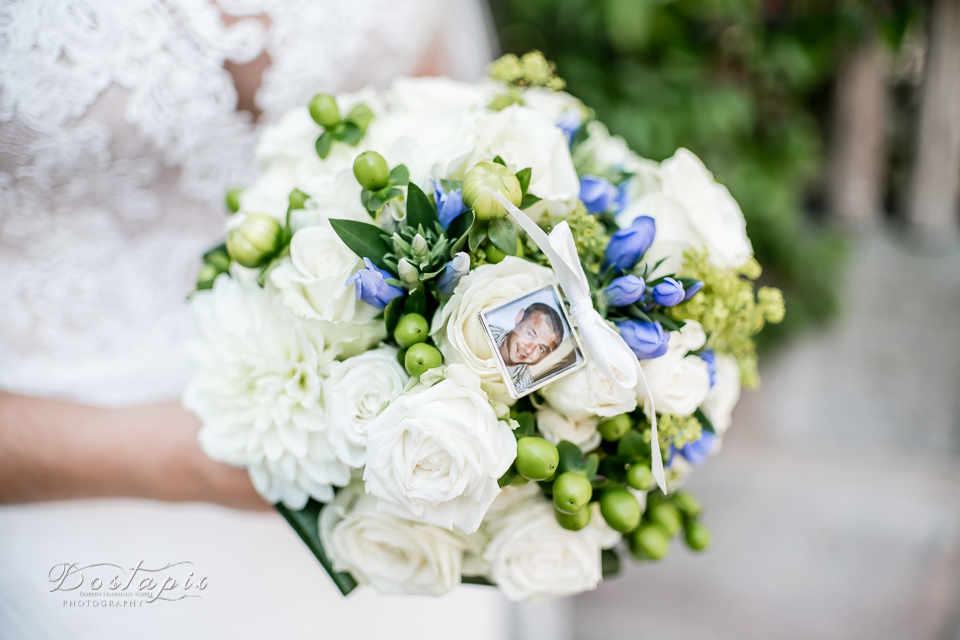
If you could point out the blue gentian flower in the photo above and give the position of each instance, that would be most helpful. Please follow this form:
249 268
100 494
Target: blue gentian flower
449 204
624 291
597 194
647 340
668 293
692 290
696 452
452 272
372 287
710 358
628 245
569 123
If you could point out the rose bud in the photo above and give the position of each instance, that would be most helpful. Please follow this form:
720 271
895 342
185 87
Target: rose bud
484 178
573 521
255 241
648 340
324 110
537 459
628 245
571 492
668 293
371 170
620 509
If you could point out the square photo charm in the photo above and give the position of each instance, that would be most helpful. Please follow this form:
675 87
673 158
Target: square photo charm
532 340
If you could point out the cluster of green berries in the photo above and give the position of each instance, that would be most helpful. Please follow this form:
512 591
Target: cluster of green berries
415 354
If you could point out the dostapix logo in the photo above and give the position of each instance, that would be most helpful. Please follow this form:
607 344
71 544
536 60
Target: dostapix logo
107 585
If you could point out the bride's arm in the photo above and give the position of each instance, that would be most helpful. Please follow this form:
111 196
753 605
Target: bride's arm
51 450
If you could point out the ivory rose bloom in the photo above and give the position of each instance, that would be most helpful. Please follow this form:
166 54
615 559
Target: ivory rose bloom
312 283
587 392
354 393
390 554
435 454
556 427
456 327
678 382
256 388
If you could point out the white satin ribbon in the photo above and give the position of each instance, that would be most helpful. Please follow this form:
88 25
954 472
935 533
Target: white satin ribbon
615 360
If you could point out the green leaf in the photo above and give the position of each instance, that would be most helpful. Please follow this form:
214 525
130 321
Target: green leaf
323 144
389 193
570 456
704 421
609 563
634 311
477 580
459 230
349 133
361 116
364 239
500 161
451 185
591 465
528 200
528 424
668 323
478 233
508 477
370 200
524 177
687 282
392 313
304 523
631 446
421 210
504 235
416 302
399 175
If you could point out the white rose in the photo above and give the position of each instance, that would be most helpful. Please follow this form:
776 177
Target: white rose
312 283
390 554
354 393
692 210
556 427
678 382
530 556
435 454
525 138
724 394
256 388
456 327
553 104
587 392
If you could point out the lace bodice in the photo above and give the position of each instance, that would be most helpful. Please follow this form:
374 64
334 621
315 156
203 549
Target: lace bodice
118 137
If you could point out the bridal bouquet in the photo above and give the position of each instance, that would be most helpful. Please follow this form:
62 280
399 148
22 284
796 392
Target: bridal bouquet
460 333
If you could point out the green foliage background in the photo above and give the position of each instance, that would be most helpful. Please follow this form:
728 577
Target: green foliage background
744 84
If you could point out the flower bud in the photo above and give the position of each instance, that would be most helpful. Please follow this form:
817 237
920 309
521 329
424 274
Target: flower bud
597 194
372 287
650 542
573 521
668 293
324 110
666 515
409 274
697 536
571 492
639 477
419 246
648 340
484 178
371 170
452 272
629 244
537 459
624 291
255 241
615 428
297 199
620 509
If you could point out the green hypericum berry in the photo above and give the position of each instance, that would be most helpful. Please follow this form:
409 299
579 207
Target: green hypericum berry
666 515
233 199
615 428
361 116
371 170
496 255
411 329
571 492
620 509
697 536
324 110
208 273
639 477
537 459
650 541
297 199
420 358
255 241
573 521
689 505
485 177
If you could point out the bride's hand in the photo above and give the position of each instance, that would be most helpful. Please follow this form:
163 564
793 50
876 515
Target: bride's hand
51 450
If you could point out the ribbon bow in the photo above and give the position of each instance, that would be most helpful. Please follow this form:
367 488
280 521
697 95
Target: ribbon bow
615 360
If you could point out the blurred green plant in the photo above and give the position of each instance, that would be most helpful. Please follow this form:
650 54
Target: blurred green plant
741 83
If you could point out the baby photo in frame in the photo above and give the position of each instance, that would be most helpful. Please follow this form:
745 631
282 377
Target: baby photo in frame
532 339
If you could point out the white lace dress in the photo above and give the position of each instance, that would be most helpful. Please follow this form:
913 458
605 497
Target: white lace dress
118 136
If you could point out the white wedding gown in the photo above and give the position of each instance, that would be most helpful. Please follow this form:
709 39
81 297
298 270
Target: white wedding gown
118 137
